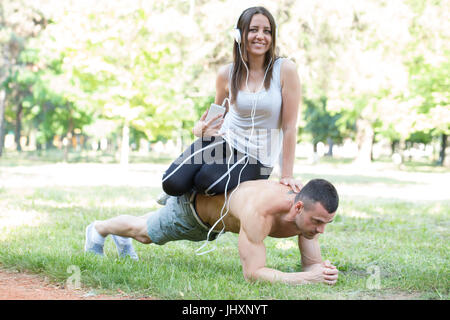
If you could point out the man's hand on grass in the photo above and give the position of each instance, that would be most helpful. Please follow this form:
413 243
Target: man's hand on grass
322 272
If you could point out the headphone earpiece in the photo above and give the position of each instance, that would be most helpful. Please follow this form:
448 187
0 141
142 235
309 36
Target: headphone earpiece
237 35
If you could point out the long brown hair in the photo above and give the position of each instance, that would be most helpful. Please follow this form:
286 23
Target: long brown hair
239 70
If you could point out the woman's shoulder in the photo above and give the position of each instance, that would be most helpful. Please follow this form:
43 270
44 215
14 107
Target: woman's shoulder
224 71
288 68
287 63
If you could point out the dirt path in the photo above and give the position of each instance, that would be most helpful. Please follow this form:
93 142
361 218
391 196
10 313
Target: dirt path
23 286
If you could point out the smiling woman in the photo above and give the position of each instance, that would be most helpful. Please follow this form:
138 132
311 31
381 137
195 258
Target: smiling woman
260 120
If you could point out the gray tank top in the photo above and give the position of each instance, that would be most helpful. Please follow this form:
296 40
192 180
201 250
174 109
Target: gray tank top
264 142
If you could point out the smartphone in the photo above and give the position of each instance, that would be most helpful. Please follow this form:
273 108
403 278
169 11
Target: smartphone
213 111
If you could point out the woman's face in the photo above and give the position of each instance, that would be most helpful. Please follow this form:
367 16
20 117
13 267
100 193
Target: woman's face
259 38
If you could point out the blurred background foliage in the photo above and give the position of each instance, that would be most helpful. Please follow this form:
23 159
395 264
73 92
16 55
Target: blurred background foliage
74 73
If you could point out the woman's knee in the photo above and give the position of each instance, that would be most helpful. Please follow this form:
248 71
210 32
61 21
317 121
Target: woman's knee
175 188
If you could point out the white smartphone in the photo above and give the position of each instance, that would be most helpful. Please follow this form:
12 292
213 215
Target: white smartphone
213 111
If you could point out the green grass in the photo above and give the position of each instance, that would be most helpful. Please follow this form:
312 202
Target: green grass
42 231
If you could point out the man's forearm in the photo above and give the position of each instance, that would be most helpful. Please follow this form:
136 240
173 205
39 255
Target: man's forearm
308 267
273 275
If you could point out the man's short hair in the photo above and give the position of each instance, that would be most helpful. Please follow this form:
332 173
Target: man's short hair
319 190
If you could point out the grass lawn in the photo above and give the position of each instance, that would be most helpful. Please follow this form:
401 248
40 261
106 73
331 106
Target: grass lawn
389 239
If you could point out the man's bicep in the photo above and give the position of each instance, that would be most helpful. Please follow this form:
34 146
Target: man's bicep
252 254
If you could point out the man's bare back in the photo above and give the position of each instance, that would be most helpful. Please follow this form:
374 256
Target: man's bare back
246 202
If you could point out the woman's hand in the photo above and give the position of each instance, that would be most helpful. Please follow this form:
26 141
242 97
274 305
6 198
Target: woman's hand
296 185
206 128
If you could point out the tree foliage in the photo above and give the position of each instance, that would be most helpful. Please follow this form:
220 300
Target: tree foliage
379 67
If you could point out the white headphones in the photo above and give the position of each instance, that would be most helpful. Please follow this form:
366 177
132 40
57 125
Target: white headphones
237 34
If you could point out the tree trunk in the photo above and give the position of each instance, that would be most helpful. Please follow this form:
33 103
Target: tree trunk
443 147
330 147
364 139
371 148
394 145
2 119
68 138
125 144
65 143
18 126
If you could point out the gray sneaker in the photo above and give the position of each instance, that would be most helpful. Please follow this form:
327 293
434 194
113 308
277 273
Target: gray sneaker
90 245
162 198
125 247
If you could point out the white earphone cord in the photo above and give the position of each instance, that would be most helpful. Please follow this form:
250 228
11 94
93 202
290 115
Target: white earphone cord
226 201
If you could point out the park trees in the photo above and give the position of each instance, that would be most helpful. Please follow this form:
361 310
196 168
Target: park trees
364 57
324 126
348 59
428 64
18 23
148 69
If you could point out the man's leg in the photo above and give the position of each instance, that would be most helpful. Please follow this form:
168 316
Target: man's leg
125 226
122 229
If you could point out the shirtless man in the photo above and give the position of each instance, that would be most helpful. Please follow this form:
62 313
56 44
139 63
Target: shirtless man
257 209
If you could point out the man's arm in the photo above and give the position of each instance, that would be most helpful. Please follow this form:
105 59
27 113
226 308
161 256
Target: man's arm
312 259
253 258
309 251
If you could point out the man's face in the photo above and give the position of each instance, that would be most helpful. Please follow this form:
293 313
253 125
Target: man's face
313 221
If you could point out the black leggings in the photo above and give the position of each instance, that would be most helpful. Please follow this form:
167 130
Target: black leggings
206 171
